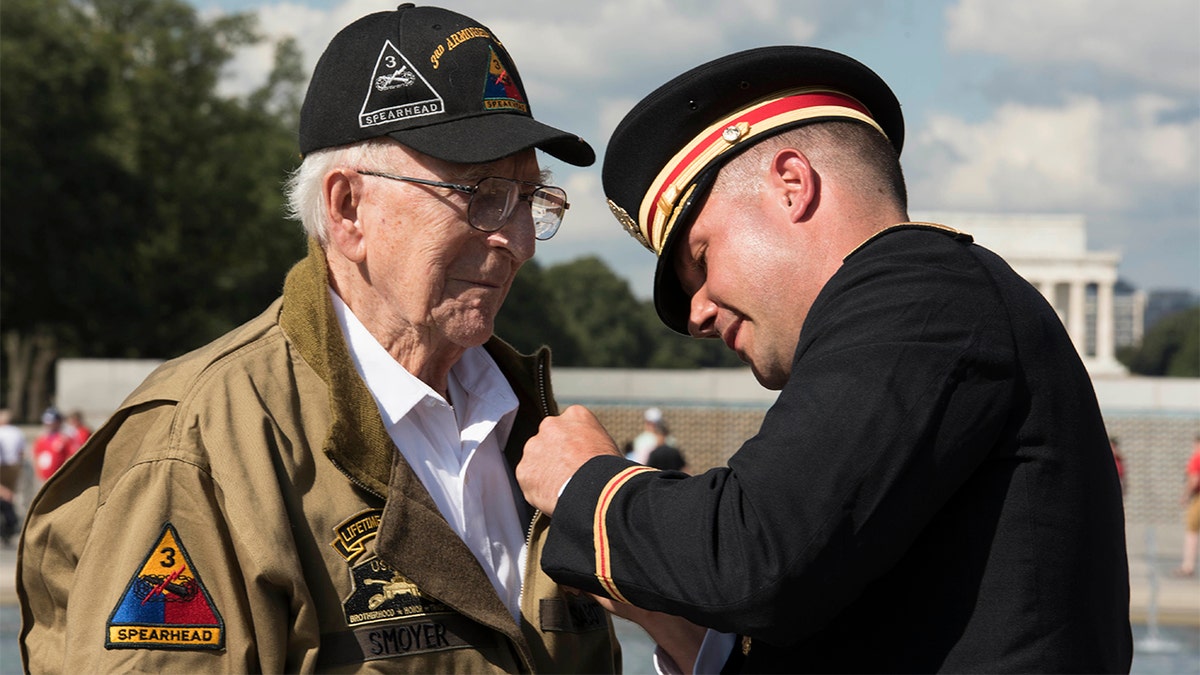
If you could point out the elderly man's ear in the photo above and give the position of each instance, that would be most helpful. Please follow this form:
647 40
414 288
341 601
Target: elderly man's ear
343 192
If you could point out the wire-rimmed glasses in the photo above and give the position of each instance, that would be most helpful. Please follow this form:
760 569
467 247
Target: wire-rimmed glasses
494 199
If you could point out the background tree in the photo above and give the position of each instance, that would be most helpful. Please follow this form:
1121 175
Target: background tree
590 318
600 313
1170 348
141 209
530 318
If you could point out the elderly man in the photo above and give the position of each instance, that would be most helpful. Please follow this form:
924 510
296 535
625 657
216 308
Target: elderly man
330 486
933 488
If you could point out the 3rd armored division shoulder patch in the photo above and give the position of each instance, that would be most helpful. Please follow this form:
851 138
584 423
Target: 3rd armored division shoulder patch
166 605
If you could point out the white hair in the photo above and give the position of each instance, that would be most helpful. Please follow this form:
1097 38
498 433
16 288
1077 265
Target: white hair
305 188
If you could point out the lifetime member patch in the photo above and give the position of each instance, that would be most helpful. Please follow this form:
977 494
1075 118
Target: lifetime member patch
165 605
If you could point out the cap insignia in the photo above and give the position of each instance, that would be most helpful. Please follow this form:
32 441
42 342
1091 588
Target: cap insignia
734 133
500 92
629 224
397 91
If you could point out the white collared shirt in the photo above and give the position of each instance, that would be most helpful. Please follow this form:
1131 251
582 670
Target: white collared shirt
456 451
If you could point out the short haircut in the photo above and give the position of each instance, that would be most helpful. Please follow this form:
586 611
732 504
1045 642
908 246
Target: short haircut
858 154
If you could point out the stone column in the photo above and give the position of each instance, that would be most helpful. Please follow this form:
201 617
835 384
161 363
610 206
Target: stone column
1105 331
1076 316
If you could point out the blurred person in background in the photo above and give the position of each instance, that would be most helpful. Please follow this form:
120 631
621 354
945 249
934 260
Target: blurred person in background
53 446
77 428
1191 516
12 459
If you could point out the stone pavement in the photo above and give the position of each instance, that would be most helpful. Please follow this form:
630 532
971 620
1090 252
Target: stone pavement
8 573
1154 592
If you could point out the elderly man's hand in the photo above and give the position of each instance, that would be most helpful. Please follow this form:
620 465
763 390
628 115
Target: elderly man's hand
679 638
562 445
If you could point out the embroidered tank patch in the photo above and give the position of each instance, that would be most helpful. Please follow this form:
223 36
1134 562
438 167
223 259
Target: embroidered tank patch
397 91
382 594
166 605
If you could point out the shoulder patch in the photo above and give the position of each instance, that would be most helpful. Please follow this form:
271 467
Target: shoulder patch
166 605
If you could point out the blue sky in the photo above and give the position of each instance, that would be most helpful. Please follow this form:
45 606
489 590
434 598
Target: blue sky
1021 106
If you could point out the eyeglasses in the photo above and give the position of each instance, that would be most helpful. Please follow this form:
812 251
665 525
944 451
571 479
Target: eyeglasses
493 201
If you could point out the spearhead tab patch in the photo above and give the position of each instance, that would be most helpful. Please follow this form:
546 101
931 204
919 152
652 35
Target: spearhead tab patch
166 605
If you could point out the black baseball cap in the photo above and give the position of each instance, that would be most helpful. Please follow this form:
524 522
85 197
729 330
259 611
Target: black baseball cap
436 81
666 153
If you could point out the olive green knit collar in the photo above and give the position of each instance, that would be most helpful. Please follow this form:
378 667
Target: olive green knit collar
358 442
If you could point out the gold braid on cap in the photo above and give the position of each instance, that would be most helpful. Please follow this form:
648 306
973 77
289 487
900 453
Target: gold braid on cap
672 186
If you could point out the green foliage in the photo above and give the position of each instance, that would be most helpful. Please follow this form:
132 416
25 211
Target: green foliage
590 318
600 312
529 320
140 208
1170 348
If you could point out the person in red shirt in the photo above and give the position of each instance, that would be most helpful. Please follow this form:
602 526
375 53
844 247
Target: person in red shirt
53 446
1191 497
1118 460
78 429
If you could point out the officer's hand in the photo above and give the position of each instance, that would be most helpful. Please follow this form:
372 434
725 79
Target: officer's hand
561 446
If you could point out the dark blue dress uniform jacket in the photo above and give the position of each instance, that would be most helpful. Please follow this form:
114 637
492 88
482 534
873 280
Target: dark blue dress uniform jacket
932 491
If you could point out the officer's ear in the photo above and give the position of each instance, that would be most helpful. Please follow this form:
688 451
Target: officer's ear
343 194
793 183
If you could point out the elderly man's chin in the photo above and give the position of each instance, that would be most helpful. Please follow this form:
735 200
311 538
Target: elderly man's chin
471 323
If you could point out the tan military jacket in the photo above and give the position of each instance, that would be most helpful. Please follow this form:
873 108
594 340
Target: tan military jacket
245 510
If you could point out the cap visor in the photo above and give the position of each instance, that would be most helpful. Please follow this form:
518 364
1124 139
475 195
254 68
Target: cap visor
674 306
487 138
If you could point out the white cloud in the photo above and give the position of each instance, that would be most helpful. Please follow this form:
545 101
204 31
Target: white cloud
1022 158
1150 151
591 229
312 29
1083 156
563 49
1154 41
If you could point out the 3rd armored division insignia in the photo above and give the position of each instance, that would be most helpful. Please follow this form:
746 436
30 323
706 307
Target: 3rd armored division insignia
165 605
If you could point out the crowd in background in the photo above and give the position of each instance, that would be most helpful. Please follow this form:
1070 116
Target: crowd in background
59 439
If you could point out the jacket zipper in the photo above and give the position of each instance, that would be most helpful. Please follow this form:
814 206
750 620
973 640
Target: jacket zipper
356 481
541 385
543 400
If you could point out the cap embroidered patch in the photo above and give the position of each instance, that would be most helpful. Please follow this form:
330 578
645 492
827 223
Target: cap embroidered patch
500 92
397 91
166 605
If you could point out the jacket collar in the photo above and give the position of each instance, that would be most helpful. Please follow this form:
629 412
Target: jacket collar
358 442
413 536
